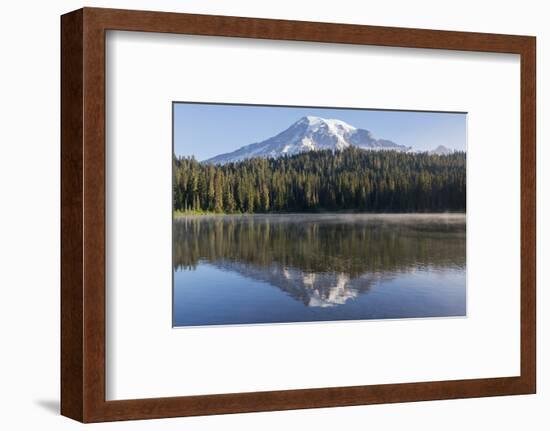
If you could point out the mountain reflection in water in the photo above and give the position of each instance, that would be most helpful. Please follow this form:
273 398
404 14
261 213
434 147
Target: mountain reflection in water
319 261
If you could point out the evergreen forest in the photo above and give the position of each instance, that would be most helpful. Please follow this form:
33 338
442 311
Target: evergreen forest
352 180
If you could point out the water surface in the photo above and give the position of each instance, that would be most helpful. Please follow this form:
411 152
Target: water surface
246 269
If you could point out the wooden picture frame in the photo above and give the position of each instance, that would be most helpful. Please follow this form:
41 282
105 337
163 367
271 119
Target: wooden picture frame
83 214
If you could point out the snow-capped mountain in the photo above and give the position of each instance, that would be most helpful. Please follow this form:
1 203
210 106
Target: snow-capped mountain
310 134
441 150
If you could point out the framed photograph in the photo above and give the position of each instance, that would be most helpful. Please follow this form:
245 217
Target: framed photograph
344 225
267 215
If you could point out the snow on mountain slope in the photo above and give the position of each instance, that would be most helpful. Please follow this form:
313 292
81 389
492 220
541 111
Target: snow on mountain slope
310 134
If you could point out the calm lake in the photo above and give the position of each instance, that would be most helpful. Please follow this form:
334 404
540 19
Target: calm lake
317 267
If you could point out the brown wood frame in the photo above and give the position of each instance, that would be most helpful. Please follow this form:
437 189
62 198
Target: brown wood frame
83 214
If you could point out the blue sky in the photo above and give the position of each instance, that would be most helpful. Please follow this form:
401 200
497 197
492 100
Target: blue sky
206 130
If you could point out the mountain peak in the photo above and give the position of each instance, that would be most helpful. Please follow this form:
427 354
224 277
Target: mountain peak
310 133
441 150
331 123
309 119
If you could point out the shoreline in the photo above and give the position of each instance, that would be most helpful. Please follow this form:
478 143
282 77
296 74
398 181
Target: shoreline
177 215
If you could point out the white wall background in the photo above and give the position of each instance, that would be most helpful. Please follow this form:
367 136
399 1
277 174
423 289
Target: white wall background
29 228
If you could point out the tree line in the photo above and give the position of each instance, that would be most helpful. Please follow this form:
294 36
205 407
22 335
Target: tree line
348 180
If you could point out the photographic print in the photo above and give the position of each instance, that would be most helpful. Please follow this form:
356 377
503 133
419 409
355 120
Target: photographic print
306 214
